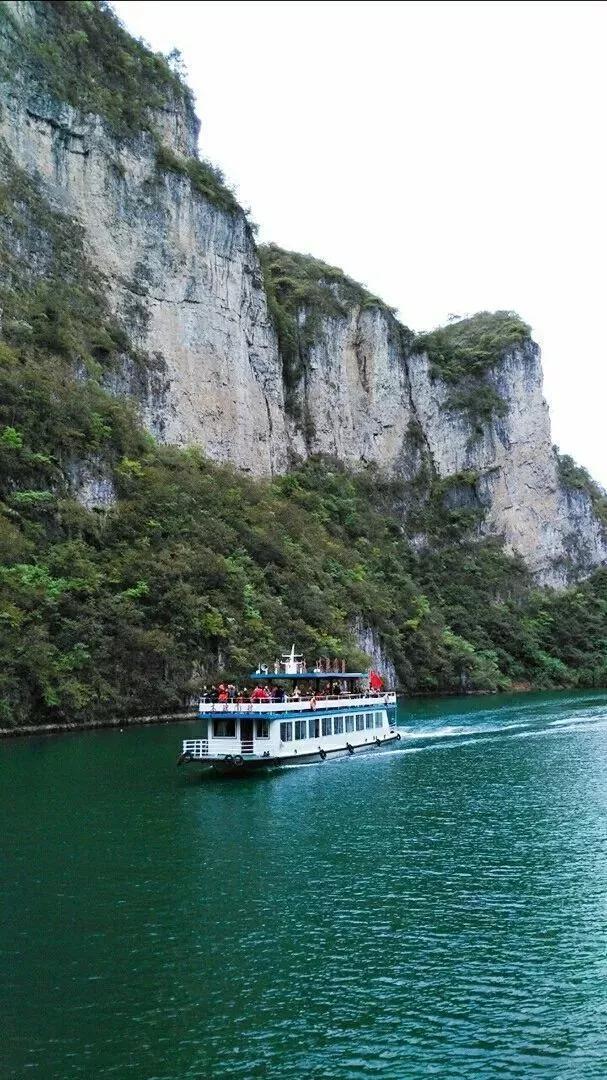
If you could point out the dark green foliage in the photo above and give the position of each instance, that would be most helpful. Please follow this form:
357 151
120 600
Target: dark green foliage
205 178
85 57
576 478
301 292
463 353
300 281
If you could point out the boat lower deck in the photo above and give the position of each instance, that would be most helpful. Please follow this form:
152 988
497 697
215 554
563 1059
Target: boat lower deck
239 763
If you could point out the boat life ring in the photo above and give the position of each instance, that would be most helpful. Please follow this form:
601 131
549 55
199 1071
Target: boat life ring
229 757
350 748
239 760
322 752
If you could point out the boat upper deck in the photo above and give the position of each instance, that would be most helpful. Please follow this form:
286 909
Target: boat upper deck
315 703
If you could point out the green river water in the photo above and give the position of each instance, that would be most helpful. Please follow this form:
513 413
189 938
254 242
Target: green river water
435 910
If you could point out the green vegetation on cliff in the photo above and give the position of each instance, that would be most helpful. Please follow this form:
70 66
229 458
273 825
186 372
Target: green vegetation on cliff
301 292
86 58
575 477
206 179
464 352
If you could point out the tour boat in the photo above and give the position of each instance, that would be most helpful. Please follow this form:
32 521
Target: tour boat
338 713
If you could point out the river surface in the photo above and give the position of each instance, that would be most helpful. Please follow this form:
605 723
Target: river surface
435 910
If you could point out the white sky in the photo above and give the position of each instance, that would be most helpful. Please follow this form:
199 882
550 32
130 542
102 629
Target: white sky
451 156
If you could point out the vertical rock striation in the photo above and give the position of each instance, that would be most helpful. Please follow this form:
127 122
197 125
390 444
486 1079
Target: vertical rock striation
369 393
181 272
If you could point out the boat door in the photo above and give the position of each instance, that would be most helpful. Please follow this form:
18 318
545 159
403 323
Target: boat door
246 736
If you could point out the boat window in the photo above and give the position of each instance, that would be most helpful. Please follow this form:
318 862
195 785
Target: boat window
338 725
326 725
262 729
349 723
286 731
314 728
378 720
360 721
301 729
224 728
369 719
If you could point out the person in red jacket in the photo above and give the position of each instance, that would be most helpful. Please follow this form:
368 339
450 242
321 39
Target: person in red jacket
376 683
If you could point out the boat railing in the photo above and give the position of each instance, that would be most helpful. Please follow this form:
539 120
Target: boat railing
293 704
196 748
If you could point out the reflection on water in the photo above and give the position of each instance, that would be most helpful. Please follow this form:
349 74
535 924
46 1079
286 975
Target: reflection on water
434 909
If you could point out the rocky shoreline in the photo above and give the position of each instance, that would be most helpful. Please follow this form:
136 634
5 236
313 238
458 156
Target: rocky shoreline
60 728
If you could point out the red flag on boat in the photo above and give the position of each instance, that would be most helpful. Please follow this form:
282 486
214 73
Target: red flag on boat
375 681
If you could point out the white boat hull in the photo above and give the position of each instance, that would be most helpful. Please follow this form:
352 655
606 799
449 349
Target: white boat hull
238 764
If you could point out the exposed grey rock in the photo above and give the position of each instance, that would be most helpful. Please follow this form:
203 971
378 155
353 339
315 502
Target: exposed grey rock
370 644
356 392
91 484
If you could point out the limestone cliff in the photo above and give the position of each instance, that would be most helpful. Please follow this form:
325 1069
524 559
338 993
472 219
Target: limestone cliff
260 367
366 391
181 271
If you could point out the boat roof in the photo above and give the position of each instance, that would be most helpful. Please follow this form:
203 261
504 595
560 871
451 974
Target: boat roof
255 675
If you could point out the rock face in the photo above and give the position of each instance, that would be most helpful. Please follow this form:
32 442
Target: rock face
356 394
368 641
554 529
183 274
363 392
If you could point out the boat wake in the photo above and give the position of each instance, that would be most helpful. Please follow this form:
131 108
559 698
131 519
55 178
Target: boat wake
519 720
522 720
